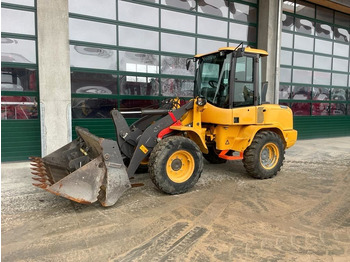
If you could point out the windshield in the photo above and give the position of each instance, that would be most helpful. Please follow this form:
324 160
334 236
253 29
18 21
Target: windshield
212 78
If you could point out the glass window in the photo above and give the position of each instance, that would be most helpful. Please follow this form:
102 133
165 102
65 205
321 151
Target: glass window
324 30
301 93
139 85
242 32
184 22
340 64
339 79
286 57
338 109
301 109
322 46
92 107
302 76
213 7
302 59
303 43
93 83
172 65
338 94
341 34
288 6
16 21
324 14
287 22
19 107
304 26
20 2
177 87
93 8
284 92
178 43
322 78
341 50
320 93
18 50
212 27
93 57
322 62
243 12
136 105
320 109
305 9
138 38
96 33
287 40
138 14
286 75
342 19
184 4
18 79
206 46
138 62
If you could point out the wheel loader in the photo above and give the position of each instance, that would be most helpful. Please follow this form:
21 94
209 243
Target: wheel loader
227 119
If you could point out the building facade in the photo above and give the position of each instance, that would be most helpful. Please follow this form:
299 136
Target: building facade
69 62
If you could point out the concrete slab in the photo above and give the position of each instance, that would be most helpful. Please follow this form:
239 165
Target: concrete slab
303 214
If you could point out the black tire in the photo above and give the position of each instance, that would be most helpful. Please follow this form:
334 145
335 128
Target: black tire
212 156
264 157
175 164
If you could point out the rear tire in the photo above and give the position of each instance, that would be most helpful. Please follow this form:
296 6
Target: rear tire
212 156
264 157
175 164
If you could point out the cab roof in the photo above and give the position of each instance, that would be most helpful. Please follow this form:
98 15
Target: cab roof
247 49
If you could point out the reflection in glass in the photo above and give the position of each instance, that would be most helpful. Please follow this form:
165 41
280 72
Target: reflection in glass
139 85
138 38
338 109
302 76
183 4
184 22
340 64
177 87
302 59
341 34
320 93
243 12
320 109
305 9
304 26
287 22
146 15
213 7
323 46
303 43
19 107
324 14
93 57
93 83
286 57
242 32
322 78
285 75
20 2
92 107
339 79
342 19
324 30
301 109
138 62
301 93
287 40
339 94
212 27
136 105
18 50
97 32
93 8
341 50
16 21
206 46
178 43
322 62
284 92
172 65
18 79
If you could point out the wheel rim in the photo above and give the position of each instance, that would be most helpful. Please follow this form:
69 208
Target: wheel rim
180 166
269 156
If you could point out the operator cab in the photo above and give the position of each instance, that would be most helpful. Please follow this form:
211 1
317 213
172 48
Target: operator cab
230 77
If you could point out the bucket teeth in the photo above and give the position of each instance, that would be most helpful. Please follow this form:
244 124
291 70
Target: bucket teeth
40 185
40 179
38 174
39 169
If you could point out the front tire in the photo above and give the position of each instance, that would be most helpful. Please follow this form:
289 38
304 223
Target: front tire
264 157
175 164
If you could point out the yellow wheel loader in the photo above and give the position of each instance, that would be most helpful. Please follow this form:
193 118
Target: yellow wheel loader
227 119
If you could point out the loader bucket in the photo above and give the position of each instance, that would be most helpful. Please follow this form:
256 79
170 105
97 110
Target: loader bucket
88 169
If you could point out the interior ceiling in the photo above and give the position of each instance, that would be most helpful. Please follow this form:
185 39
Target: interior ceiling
339 5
